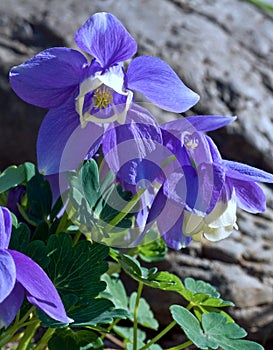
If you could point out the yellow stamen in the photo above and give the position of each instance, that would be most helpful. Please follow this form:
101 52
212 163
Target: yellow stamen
102 97
192 144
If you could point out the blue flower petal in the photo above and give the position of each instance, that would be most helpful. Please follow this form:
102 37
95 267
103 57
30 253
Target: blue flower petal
105 38
169 218
156 208
49 78
174 237
249 196
40 290
215 154
125 146
62 143
7 274
5 227
156 80
201 123
211 178
11 305
242 171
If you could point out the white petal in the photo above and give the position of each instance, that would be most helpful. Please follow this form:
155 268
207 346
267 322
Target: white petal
192 224
114 78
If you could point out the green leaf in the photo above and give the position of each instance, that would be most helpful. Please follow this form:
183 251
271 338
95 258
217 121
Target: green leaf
198 286
145 315
192 328
203 293
36 250
150 277
97 203
94 312
80 340
77 270
90 182
115 292
39 198
20 238
16 175
153 251
127 333
214 331
226 334
41 232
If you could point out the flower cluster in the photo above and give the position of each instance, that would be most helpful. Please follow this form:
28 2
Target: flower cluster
92 109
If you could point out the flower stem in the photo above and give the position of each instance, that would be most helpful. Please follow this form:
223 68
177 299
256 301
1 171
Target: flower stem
159 335
128 207
65 221
45 338
11 331
139 291
28 335
76 237
112 325
181 346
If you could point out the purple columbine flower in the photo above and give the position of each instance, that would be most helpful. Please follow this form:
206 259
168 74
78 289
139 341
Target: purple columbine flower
201 195
78 92
19 275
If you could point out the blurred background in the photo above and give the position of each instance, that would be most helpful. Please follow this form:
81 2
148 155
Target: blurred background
223 50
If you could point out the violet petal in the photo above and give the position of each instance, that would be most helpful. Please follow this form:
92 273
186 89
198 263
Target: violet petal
11 305
156 80
40 290
49 78
7 274
5 227
242 171
105 38
249 196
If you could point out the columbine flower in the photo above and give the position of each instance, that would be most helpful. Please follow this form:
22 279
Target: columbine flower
78 92
201 195
19 275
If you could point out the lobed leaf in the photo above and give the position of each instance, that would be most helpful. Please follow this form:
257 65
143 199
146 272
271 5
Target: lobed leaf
213 332
80 340
77 269
16 175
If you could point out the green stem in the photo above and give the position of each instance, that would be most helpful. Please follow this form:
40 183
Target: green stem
45 338
181 346
112 325
139 291
10 332
65 221
159 335
26 315
76 237
128 207
28 335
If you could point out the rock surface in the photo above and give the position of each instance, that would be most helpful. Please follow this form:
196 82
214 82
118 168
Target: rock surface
222 49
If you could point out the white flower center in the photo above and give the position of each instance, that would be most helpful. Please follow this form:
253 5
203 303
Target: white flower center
103 85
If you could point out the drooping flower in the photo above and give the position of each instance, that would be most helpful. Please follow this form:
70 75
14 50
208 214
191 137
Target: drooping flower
201 196
20 275
78 92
